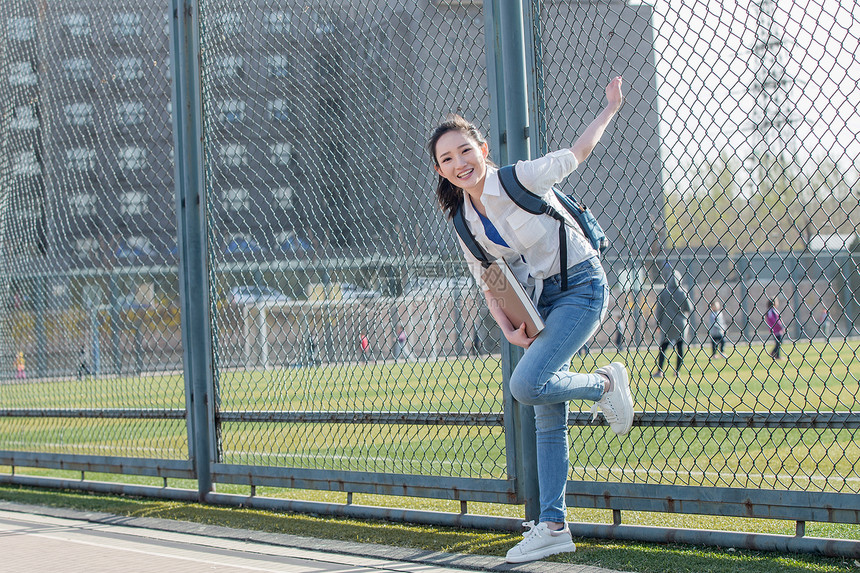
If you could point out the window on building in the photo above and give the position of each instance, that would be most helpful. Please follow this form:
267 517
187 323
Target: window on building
21 29
130 113
22 74
240 243
332 111
128 69
283 197
236 199
80 159
234 155
134 203
132 158
228 67
290 242
281 153
278 110
323 23
24 118
127 25
78 25
231 111
229 23
133 247
76 69
86 246
25 164
83 204
328 66
27 207
279 66
78 114
278 23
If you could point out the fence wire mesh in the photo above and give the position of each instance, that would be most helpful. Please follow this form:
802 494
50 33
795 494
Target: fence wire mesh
347 334
90 310
336 286
732 165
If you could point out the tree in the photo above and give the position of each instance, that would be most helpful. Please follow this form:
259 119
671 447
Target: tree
771 127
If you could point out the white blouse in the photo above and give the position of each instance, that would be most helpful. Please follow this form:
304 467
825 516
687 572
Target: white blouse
534 249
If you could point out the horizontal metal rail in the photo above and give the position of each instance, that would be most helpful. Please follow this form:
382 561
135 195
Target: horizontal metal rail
724 501
391 514
752 541
487 490
814 420
113 413
369 417
110 488
158 467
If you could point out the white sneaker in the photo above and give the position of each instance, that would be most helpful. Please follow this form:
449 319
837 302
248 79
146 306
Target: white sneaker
617 404
539 542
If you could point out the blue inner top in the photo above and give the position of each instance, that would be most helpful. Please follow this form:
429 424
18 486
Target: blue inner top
491 231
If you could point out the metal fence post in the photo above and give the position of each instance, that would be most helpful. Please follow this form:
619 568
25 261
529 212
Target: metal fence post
191 239
505 39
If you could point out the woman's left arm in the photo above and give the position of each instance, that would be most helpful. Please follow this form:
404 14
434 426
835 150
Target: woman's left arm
586 142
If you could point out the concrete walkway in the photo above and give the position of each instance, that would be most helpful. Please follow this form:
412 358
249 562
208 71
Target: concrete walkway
36 539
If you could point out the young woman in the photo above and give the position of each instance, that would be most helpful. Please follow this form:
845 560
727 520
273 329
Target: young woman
530 245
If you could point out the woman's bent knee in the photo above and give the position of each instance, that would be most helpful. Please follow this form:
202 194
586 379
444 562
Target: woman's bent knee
525 391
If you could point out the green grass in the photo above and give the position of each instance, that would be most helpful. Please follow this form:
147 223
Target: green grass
813 377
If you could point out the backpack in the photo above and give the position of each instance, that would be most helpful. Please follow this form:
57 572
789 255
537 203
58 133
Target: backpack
535 205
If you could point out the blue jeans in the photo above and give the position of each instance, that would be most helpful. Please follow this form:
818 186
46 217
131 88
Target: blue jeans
543 379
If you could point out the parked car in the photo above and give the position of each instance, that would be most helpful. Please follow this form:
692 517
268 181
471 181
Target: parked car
257 295
349 290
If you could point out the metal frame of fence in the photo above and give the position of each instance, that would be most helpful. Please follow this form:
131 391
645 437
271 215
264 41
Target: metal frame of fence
515 74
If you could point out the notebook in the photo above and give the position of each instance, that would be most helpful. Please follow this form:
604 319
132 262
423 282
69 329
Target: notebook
512 297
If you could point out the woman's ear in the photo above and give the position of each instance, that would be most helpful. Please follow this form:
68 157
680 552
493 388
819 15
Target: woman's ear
437 170
485 150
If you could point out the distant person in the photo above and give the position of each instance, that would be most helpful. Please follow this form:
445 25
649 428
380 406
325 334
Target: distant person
717 329
673 317
311 352
83 363
20 366
824 322
401 348
777 328
620 327
365 347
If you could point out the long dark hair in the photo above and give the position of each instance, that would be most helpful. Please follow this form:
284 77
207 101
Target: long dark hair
450 196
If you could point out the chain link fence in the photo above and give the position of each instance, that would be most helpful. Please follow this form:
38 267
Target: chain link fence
732 165
350 349
90 309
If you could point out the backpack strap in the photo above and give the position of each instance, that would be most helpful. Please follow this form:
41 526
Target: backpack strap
468 238
534 204
525 199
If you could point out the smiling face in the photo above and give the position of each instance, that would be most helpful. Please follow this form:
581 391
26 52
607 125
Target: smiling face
462 161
